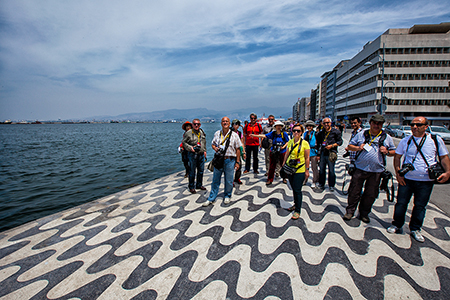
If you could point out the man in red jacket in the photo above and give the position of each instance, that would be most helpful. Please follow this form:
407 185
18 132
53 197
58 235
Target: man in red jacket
252 143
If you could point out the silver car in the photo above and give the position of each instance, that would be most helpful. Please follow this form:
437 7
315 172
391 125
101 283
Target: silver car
443 132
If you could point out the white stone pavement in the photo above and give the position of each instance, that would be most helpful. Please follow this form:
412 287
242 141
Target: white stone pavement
156 241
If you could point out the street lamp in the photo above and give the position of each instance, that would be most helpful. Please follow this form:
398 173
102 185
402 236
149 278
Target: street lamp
382 79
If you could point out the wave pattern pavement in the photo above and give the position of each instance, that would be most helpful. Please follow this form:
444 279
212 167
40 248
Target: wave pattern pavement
156 241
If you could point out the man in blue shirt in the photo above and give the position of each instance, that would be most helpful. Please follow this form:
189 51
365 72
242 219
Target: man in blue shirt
372 146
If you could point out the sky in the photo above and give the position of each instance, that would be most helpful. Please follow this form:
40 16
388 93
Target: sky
76 59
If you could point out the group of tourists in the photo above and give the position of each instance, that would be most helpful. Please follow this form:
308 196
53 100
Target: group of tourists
291 155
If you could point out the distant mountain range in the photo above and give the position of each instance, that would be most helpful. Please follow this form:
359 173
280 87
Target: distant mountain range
200 113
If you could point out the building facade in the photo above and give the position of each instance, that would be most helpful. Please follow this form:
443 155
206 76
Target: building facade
403 73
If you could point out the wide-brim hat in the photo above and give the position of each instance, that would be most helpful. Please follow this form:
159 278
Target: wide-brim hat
377 118
186 124
310 123
278 123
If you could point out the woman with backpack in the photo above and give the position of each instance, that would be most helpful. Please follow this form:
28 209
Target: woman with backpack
278 150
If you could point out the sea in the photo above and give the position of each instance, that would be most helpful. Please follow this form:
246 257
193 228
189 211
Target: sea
47 168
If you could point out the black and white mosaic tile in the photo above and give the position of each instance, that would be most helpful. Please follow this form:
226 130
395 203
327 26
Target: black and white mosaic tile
156 241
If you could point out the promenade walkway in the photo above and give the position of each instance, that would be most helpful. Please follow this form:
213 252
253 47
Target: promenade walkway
156 241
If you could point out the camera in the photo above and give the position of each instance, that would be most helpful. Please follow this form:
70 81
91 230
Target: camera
405 169
197 148
276 148
346 154
434 171
351 168
385 177
292 163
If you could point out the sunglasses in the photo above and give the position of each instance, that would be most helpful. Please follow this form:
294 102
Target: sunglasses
196 124
417 124
253 118
326 122
296 130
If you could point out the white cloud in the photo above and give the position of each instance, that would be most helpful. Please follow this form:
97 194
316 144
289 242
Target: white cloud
71 51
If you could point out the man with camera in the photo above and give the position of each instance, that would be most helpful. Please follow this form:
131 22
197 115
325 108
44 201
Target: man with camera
372 146
328 141
355 122
268 129
194 141
417 175
226 143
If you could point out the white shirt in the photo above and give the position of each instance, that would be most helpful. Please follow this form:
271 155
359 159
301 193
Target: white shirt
411 155
235 142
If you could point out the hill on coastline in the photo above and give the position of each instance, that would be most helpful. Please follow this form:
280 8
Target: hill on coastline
200 113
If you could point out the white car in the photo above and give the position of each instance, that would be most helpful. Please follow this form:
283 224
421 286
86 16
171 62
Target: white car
443 132
406 130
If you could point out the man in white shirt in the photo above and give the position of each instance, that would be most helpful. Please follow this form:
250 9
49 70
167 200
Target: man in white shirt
228 142
413 178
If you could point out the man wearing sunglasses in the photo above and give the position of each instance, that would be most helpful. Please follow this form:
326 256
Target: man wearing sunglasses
194 141
416 179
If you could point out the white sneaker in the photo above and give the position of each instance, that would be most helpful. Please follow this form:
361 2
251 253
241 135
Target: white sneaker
208 203
394 229
417 236
313 185
226 200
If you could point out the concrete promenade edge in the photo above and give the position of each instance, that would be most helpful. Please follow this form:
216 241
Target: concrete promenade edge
156 241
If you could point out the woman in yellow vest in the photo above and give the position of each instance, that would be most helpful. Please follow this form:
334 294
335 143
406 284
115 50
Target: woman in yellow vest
298 158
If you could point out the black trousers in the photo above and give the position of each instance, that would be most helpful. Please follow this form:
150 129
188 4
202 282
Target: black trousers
251 150
371 183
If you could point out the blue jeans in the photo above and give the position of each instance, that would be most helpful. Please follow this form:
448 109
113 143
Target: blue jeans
196 163
324 161
228 169
422 192
296 182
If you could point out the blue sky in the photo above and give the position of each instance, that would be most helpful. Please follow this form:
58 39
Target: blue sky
75 59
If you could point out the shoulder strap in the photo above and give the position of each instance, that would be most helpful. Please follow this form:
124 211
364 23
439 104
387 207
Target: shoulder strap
260 128
434 137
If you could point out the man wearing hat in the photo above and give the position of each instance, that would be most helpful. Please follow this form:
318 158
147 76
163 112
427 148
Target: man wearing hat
372 146
310 137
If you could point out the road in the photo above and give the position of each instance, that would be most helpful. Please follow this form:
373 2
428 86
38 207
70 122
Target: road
441 192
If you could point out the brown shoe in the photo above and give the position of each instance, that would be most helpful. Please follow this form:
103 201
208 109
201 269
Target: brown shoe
364 219
245 172
347 217
202 188
292 208
256 172
192 191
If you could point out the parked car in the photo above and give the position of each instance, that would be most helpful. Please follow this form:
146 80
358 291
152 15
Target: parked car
406 130
443 132
394 131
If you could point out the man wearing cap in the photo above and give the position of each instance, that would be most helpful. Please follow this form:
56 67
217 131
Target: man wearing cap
310 137
267 129
194 141
372 146
328 141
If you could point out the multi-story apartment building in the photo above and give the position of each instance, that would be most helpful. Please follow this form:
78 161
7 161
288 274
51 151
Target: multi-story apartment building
408 67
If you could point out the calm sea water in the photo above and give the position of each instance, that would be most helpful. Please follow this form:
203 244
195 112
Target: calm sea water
50 168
